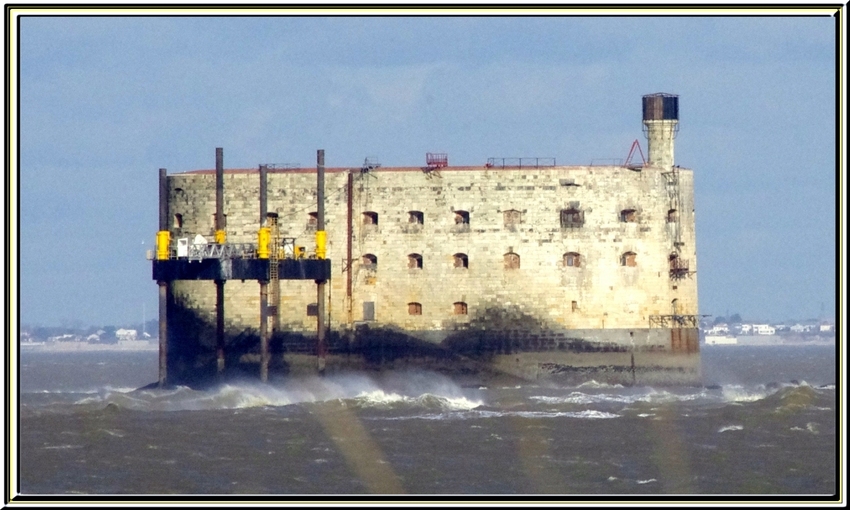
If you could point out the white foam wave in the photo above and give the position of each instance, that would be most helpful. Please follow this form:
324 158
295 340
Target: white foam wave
83 391
590 414
810 427
729 427
380 398
652 396
594 384
735 393
477 414
415 389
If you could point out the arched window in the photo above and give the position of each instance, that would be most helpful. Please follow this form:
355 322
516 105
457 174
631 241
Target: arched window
414 308
460 308
572 218
674 305
312 221
178 220
512 217
572 259
461 217
461 260
370 261
628 215
628 259
511 261
416 218
672 216
414 261
370 218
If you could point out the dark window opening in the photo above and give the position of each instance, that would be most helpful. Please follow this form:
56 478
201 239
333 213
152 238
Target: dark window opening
414 309
416 218
628 216
312 309
178 220
512 217
675 306
461 260
572 218
628 259
461 218
460 308
672 216
511 261
572 259
370 261
370 218
575 306
414 261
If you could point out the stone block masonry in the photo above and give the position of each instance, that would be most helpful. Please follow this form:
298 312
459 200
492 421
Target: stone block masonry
439 251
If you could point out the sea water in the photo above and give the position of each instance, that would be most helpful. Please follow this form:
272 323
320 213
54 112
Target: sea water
764 422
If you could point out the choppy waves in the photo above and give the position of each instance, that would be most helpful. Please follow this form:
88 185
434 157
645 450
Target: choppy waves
431 396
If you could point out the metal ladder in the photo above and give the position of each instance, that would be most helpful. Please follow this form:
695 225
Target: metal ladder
274 276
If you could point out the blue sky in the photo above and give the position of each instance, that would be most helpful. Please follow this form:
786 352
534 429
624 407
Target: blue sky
105 102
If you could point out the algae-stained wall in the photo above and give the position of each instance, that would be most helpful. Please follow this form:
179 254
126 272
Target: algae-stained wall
513 215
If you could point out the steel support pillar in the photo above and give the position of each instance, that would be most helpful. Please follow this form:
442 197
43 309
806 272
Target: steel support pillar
219 326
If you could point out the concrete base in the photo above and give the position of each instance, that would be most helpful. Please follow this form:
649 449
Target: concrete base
648 356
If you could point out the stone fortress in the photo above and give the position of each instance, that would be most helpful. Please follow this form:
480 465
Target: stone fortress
518 267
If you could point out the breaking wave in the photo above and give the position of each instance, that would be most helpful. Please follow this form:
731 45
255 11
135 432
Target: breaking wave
416 390
380 398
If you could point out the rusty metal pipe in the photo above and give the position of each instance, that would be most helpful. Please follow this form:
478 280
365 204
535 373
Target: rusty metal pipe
219 326
349 233
163 286
163 199
219 196
163 333
263 194
320 284
264 332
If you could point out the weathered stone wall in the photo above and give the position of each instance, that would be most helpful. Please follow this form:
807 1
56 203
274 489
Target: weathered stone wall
607 294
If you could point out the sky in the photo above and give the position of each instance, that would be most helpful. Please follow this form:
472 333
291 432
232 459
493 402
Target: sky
107 101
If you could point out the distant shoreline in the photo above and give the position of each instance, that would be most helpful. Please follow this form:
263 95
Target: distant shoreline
138 345
772 344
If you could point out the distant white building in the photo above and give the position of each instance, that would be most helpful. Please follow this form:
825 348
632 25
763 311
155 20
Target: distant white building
746 328
67 337
798 328
825 327
763 329
126 334
720 340
718 329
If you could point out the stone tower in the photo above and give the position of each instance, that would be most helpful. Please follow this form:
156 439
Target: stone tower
660 125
